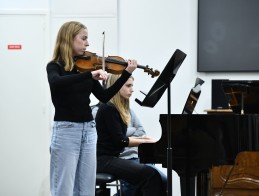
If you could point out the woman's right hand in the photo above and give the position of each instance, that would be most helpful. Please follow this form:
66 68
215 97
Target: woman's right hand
99 74
132 65
135 141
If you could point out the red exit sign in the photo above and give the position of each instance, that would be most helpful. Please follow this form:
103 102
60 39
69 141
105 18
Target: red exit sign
14 47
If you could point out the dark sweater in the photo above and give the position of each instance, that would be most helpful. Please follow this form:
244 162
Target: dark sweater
111 131
70 92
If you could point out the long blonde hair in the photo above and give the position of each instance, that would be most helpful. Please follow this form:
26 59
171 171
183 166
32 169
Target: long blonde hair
63 50
121 104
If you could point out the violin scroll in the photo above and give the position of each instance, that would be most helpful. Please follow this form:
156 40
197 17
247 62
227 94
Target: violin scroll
150 71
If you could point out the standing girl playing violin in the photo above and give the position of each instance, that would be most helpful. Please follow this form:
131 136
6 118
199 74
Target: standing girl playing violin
73 144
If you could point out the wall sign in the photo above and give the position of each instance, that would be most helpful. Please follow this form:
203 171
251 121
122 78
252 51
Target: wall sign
14 47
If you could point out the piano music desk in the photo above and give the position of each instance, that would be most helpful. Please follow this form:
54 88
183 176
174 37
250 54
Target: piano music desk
219 111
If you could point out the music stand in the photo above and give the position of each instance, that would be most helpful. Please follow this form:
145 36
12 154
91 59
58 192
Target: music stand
193 97
154 95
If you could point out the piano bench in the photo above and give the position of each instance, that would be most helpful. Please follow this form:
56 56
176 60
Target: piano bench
103 180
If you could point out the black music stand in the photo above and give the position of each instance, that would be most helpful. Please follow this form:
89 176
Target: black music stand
154 95
193 97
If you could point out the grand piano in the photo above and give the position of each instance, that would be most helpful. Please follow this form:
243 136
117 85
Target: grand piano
201 141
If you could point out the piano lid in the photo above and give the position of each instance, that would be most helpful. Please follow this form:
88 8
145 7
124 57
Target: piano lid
242 95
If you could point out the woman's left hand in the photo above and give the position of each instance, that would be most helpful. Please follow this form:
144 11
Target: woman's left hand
132 65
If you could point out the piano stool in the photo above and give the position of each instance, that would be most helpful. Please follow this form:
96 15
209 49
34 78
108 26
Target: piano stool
243 178
103 180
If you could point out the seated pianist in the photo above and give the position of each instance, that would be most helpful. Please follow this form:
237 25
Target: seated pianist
112 120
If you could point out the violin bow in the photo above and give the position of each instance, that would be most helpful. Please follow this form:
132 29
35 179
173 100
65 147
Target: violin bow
103 59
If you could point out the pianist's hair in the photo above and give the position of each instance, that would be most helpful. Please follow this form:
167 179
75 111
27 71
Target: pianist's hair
121 104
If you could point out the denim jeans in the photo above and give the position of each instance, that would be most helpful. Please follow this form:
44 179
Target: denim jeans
73 159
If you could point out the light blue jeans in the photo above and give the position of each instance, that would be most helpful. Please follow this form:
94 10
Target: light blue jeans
73 159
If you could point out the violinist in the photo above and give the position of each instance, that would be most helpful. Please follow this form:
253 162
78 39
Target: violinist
73 143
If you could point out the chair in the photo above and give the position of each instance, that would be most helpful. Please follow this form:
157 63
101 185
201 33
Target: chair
240 179
103 180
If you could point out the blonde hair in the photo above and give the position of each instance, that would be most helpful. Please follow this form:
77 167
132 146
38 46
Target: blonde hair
63 50
121 104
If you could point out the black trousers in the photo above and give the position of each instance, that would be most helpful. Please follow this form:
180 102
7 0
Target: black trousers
147 179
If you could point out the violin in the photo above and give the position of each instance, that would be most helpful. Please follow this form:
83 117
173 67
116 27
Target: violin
113 64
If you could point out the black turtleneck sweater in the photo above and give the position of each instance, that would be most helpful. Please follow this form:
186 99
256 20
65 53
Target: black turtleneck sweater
111 131
70 92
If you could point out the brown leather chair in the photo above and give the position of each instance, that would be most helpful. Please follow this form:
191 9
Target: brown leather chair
240 179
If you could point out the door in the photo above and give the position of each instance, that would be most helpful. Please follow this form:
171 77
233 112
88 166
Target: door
24 117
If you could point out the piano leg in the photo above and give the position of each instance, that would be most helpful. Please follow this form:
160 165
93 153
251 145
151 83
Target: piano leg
187 186
202 183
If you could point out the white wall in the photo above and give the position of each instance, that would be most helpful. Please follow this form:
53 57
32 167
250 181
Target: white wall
149 31
24 5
